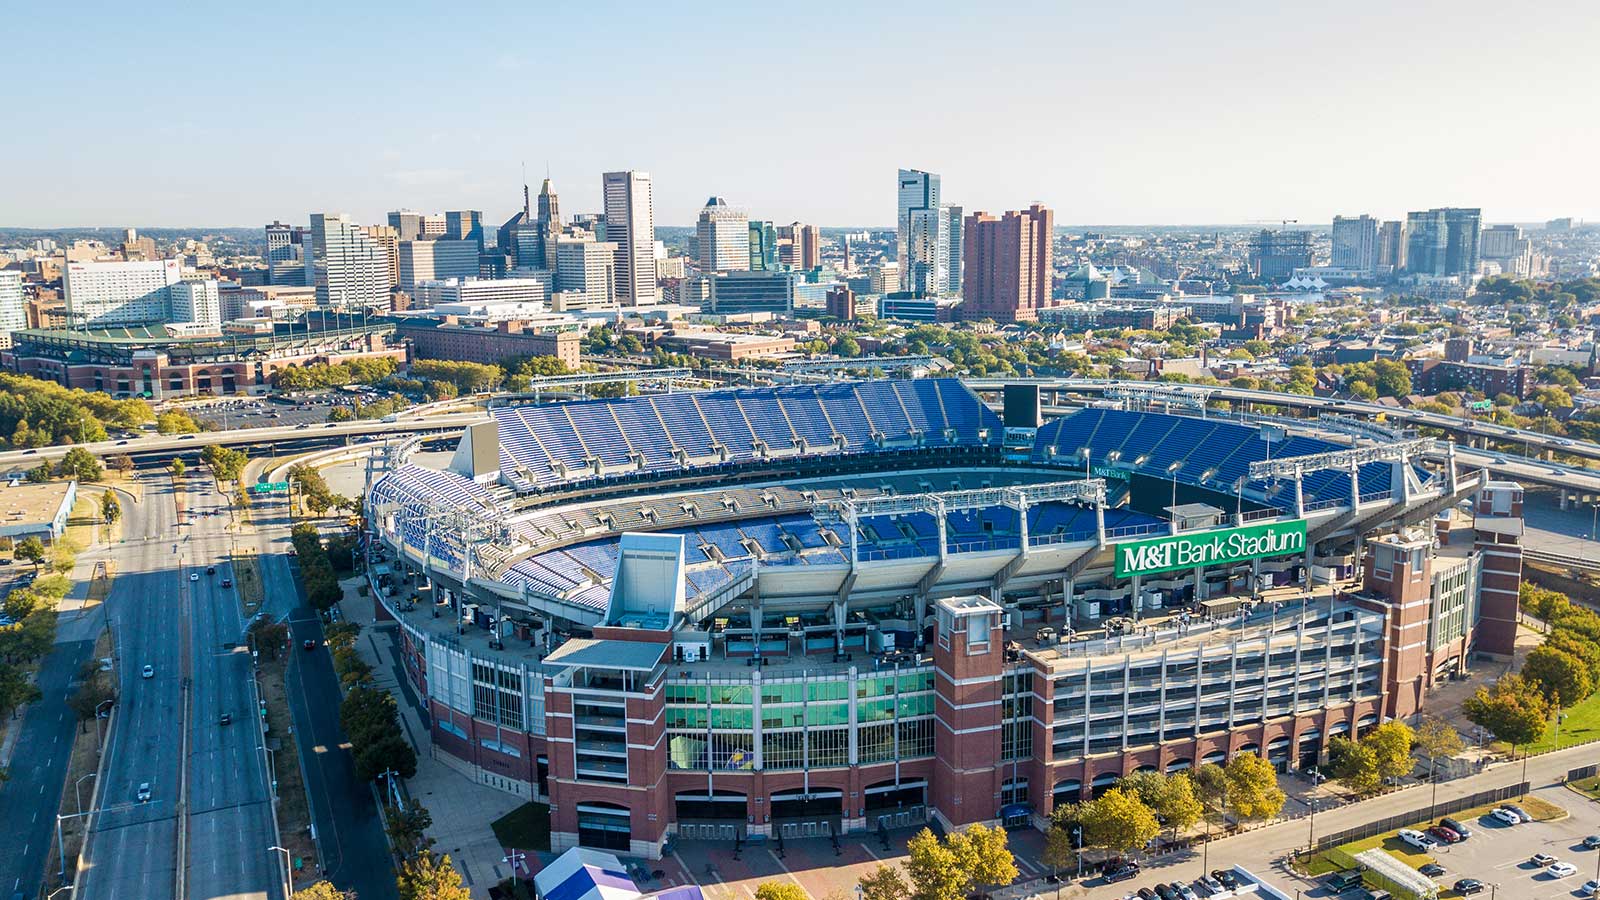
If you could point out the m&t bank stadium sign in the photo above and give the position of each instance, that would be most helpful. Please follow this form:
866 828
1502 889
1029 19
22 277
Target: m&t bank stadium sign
1210 548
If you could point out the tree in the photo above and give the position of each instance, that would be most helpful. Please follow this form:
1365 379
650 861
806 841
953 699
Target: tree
934 871
1435 739
1354 764
430 877
1177 804
1118 821
323 890
93 689
110 507
407 826
225 463
1253 787
30 549
16 689
780 890
178 468
1561 677
1211 789
176 421
886 882
80 464
982 854
1512 710
123 463
40 474
1058 852
1391 749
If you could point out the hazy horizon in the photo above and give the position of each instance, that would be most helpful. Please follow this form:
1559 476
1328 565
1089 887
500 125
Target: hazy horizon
1161 114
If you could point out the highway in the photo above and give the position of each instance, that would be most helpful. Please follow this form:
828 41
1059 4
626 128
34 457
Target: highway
228 804
132 847
207 782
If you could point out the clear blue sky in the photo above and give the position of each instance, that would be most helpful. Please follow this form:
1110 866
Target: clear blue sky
1163 111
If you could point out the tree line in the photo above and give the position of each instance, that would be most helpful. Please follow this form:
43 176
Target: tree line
1562 671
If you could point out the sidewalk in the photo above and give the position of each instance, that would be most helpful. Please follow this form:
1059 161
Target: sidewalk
461 808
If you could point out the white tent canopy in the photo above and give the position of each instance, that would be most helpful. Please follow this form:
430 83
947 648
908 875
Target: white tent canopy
1398 873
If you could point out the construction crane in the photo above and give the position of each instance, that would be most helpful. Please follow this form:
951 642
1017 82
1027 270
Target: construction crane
1282 223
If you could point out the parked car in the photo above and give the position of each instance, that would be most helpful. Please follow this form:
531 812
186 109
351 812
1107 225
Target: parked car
1228 879
1589 888
1121 873
1165 892
1505 815
1184 891
1432 870
1447 835
1592 842
1417 839
1561 870
1542 859
1461 830
1340 882
1466 887
1521 813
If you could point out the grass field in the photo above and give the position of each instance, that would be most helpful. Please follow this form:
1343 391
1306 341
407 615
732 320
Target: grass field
526 827
1582 724
1589 786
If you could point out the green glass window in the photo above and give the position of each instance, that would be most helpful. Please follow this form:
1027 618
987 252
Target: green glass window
732 718
828 714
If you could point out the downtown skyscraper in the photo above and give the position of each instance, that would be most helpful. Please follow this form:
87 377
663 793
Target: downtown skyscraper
345 264
1009 265
1443 242
631 225
723 235
927 235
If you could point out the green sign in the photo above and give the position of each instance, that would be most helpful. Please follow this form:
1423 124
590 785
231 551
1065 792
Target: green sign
1209 548
267 487
1109 472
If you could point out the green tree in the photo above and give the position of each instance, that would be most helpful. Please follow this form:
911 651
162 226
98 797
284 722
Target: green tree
1512 710
81 465
886 882
176 421
1058 852
40 474
430 877
1118 821
982 853
123 463
1253 787
225 463
323 890
933 869
1211 789
1177 806
1561 677
1391 749
110 507
390 752
30 549
16 689
1435 739
780 890
1354 764
407 826
179 467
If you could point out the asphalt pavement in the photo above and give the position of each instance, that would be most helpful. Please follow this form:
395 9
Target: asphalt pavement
355 853
30 798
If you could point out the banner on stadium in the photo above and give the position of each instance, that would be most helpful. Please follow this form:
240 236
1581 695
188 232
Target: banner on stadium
1209 548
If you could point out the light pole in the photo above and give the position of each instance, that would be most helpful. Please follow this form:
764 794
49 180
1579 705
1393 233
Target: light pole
77 786
1311 836
288 860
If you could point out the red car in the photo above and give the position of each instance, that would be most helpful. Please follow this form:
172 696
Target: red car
1445 834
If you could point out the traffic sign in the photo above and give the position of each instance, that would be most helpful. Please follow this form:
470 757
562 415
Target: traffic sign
267 487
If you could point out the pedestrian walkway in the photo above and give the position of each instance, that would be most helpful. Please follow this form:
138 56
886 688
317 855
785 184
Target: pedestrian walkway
461 808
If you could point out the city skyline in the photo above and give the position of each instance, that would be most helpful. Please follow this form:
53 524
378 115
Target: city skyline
1303 114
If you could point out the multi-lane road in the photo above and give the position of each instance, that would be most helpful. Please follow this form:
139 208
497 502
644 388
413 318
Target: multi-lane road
209 811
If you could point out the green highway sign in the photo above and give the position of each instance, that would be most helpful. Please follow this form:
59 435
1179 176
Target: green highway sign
267 487
1209 548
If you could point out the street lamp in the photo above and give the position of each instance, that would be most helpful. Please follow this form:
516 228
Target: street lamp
288 860
1311 837
78 785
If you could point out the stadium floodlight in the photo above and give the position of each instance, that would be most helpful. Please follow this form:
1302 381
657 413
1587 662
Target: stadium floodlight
1288 467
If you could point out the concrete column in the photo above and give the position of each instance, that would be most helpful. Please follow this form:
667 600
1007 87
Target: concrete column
1299 494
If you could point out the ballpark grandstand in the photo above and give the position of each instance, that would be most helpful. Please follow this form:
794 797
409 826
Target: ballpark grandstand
807 610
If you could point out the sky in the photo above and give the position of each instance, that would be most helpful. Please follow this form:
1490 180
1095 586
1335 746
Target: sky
1115 113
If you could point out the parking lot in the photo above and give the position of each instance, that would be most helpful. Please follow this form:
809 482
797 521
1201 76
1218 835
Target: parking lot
261 413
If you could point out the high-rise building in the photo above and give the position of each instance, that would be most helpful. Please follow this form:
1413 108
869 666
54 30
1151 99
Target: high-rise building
922 233
1008 264
1276 254
762 247
723 234
346 265
631 226
809 237
13 305
754 291
1443 242
197 302
407 224
521 239
955 262
120 293
917 190
1355 242
387 238
435 261
138 249
285 263
586 273
842 303
464 225
1507 247
1392 245
433 226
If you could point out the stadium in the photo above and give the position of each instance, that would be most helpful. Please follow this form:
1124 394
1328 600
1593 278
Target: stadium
816 609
